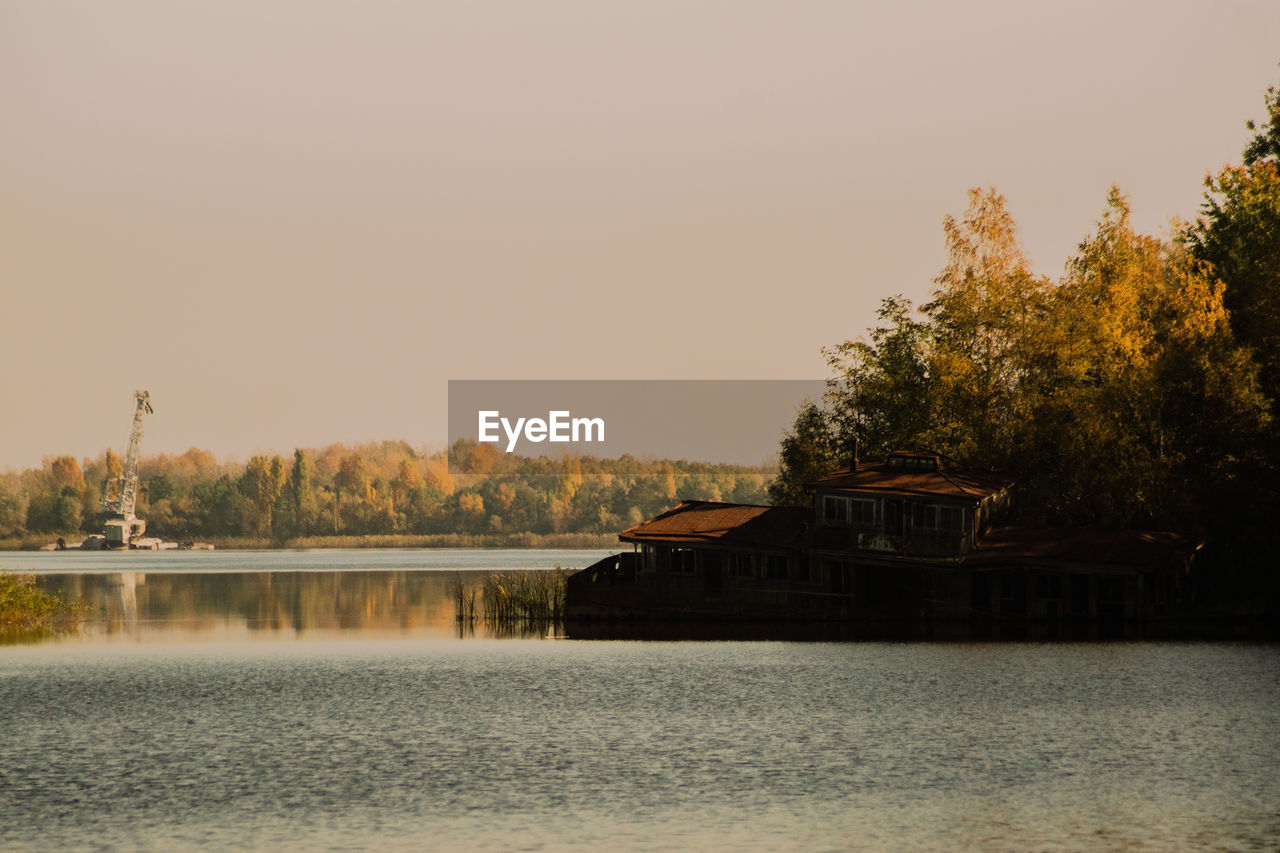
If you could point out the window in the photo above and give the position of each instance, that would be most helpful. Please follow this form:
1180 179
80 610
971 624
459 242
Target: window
939 517
682 561
840 510
775 567
864 511
913 463
835 509
1110 590
950 519
740 566
1048 586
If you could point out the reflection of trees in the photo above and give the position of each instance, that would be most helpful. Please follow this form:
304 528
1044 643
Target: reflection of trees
112 597
268 601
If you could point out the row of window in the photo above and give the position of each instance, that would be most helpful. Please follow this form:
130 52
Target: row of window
1012 588
942 518
848 510
683 561
913 463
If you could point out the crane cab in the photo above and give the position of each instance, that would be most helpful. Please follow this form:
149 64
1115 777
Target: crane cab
120 531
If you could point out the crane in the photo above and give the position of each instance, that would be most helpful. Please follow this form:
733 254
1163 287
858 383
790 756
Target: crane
121 526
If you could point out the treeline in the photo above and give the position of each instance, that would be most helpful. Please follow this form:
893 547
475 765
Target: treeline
374 489
1139 389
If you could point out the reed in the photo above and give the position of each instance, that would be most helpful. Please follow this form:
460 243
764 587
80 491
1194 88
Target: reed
464 599
530 598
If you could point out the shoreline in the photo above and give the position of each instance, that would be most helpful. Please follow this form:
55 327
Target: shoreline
504 541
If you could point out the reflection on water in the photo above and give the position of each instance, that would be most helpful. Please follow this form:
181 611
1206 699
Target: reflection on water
273 595
269 604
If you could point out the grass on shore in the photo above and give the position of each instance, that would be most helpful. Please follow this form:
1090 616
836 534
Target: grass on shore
36 541
25 608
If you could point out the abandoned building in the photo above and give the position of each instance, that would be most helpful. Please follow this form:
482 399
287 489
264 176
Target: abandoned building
910 538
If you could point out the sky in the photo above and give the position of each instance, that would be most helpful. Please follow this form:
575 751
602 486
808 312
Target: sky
293 222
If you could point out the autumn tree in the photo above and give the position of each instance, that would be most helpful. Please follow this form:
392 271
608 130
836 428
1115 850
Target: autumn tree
354 478
300 494
64 472
376 488
985 335
356 496
114 474
1153 400
407 480
1238 233
69 511
1117 395
13 505
262 484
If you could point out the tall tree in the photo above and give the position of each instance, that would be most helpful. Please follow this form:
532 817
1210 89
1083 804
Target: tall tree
13 505
262 484
1238 233
300 494
876 395
69 511
114 471
986 322
811 449
1155 399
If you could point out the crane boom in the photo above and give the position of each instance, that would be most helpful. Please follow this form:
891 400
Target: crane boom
129 494
118 503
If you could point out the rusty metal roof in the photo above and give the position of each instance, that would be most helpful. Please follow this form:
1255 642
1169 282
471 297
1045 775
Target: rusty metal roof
723 523
1135 548
947 482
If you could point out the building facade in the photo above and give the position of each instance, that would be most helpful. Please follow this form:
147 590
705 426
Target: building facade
911 538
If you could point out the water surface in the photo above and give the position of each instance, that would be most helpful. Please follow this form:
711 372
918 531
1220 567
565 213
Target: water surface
367 734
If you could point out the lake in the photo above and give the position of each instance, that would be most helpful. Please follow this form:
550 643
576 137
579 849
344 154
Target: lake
327 700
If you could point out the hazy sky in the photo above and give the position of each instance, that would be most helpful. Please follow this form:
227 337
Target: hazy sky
293 222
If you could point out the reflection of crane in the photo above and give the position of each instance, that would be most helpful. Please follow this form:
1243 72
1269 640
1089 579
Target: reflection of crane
119 496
